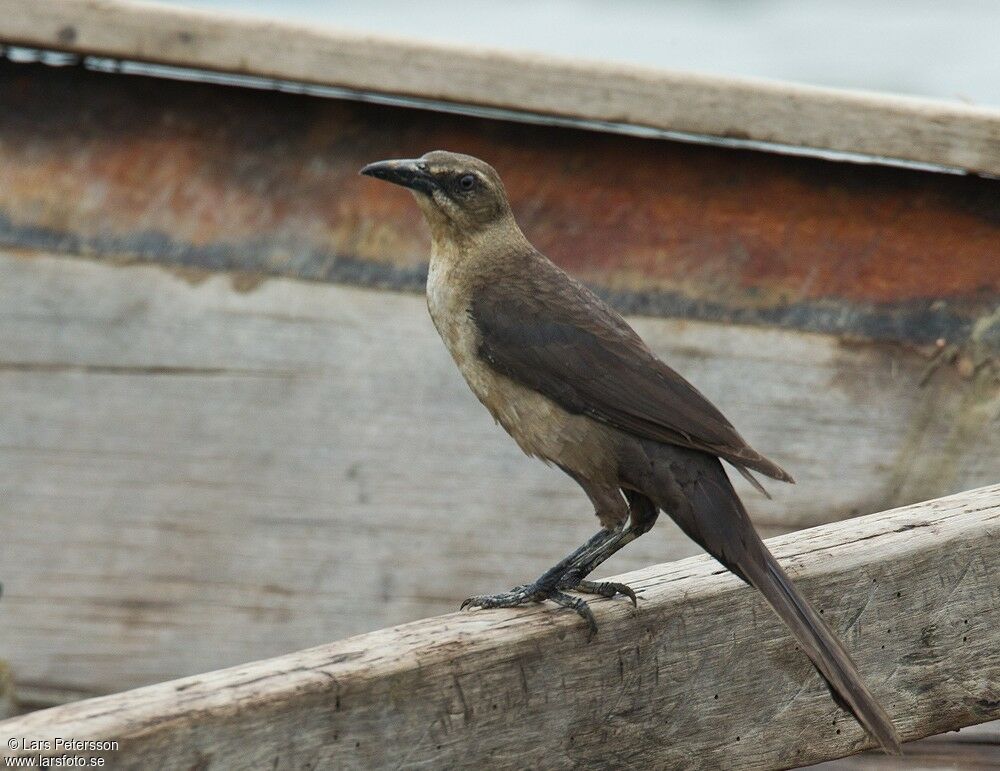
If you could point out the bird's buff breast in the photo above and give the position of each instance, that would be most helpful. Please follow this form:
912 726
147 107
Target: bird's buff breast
539 426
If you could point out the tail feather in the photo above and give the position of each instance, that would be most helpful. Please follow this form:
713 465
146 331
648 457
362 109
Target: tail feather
697 494
824 649
745 473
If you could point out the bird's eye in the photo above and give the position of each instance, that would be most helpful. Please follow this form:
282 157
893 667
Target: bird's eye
467 182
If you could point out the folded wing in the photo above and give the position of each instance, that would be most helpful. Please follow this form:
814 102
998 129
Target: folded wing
561 340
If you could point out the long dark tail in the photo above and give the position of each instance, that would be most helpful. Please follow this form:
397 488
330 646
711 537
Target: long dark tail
698 495
823 648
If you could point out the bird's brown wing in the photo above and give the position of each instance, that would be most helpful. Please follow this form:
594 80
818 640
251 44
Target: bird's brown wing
553 335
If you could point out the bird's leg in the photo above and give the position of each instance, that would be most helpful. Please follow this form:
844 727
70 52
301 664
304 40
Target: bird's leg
642 516
613 512
546 586
575 575
571 572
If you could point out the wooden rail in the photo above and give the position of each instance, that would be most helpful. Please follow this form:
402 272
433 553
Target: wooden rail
702 675
935 132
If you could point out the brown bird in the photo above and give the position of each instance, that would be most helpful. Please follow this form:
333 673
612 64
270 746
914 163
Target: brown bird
574 385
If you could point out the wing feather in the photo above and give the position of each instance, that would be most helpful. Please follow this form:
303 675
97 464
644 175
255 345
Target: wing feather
555 336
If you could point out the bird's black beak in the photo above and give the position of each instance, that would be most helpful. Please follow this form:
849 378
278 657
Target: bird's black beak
408 173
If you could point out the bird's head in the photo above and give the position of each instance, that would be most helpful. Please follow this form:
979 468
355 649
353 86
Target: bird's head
459 195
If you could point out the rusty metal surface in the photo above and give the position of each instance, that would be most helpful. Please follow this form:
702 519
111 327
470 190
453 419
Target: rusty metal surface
234 179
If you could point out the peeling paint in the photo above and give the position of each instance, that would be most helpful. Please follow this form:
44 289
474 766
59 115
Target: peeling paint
216 178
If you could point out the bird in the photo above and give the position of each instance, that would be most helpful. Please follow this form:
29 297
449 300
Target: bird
575 386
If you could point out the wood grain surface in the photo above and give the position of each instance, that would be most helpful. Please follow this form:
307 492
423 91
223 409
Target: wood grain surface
970 749
702 675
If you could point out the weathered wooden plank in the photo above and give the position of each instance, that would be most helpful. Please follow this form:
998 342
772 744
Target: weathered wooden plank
973 749
701 676
945 133
229 470
128 168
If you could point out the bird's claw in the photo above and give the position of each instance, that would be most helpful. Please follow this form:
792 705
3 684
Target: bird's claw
574 581
519 595
604 589
532 593
579 606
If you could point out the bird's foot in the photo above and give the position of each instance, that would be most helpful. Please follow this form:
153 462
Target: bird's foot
572 579
521 595
603 588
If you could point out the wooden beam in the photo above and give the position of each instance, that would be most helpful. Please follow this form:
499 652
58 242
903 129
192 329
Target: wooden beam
701 676
974 749
935 132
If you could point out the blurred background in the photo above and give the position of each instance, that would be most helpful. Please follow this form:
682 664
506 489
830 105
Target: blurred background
918 48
